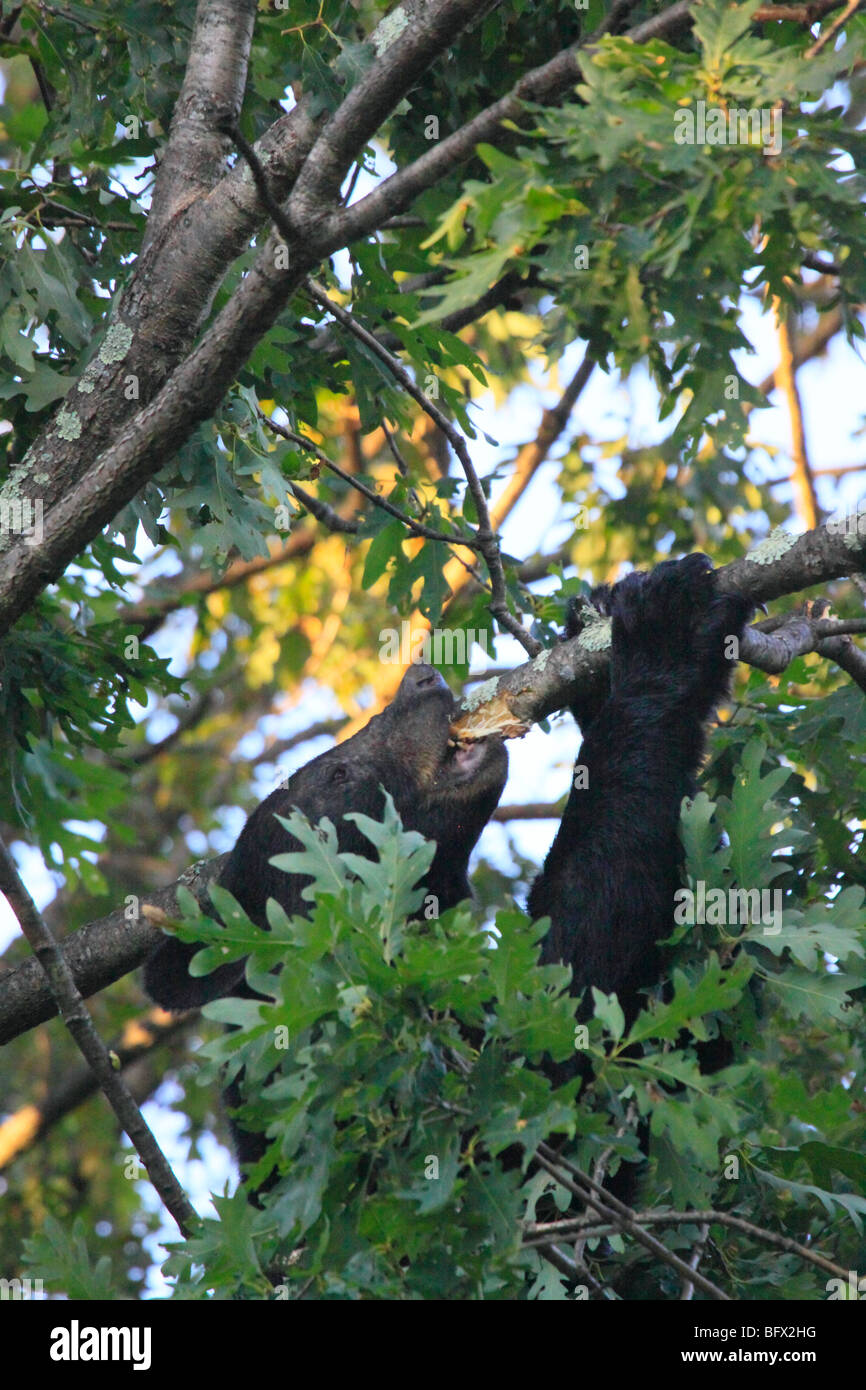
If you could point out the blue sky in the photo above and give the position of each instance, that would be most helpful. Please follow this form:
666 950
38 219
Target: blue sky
833 395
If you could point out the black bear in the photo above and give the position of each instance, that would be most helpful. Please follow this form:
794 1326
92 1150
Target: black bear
446 792
609 879
610 875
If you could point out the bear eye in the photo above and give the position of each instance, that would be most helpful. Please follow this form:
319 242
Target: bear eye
340 773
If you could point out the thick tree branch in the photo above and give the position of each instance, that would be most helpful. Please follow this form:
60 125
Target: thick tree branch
543 85
213 87
157 317
174 282
424 31
782 564
98 954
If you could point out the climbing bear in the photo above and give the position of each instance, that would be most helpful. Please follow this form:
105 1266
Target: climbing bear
609 879
446 792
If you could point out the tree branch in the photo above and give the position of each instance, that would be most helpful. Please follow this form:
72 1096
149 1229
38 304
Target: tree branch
416 527
424 31
529 459
81 497
803 479
213 84
543 85
781 564
599 1199
140 1037
98 954
549 1230
486 540
68 1000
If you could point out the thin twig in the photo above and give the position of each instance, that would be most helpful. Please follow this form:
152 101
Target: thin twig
549 1230
74 1013
402 465
328 516
581 1185
832 29
487 541
427 532
695 1259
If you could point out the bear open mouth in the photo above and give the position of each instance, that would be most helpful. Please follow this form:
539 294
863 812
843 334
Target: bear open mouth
465 759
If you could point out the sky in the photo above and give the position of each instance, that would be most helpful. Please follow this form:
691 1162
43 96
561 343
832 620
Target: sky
832 392
832 389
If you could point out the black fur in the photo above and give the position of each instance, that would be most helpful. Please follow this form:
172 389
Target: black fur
447 794
610 875
609 878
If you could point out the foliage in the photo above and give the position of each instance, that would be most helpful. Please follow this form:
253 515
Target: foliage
673 228
394 1064
138 695
679 228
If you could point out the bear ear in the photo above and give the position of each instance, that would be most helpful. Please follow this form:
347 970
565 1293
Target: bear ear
169 983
